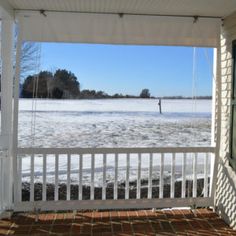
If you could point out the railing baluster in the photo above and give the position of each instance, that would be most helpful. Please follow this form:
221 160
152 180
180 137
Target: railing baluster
193 154
195 175
56 197
104 176
172 191
68 177
150 176
116 177
1 183
184 176
206 175
139 177
127 176
161 184
32 178
44 177
19 192
92 178
81 177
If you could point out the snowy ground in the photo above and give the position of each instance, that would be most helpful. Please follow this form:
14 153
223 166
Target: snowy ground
115 123
111 123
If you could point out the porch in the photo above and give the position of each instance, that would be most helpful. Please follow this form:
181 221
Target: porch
135 222
194 185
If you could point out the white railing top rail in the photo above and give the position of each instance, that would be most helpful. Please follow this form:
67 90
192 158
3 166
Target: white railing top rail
134 150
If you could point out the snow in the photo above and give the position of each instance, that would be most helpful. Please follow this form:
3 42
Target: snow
118 105
111 123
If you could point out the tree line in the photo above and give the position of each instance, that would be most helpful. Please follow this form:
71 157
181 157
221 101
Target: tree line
61 84
64 84
187 97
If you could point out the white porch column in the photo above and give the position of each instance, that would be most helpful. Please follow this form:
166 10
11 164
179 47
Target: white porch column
214 97
7 107
7 80
216 116
16 167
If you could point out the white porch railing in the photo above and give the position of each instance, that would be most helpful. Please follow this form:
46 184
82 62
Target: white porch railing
4 197
2 184
113 178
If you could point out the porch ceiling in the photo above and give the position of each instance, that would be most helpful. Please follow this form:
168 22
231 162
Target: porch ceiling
166 26
214 8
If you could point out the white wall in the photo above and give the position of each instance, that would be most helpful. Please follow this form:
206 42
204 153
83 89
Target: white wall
226 177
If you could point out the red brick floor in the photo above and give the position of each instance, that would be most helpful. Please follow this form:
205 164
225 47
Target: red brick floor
140 222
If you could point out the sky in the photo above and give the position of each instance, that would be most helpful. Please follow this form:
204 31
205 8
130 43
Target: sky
164 70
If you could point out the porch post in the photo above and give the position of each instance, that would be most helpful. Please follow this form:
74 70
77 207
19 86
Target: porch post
16 167
7 107
216 125
214 102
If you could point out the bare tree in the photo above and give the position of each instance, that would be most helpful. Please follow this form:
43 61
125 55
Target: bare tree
30 59
30 56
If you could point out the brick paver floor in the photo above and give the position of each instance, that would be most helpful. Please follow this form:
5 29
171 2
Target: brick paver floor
123 223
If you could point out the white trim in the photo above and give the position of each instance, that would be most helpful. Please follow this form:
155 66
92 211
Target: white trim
28 151
206 158
18 183
195 175
7 79
161 188
68 180
138 193
32 178
113 204
115 194
127 176
172 185
104 176
214 161
80 177
92 177
16 110
214 109
2 202
7 10
150 176
7 106
183 193
44 192
56 195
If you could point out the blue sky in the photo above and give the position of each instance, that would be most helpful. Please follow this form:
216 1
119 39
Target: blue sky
165 71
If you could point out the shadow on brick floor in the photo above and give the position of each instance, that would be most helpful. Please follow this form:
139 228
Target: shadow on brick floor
137 222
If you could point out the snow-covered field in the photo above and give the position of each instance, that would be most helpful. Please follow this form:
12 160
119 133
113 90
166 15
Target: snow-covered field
114 123
110 123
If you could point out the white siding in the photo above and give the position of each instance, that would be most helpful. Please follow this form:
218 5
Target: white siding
226 178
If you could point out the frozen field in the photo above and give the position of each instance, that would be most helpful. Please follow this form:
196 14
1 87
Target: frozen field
114 123
111 123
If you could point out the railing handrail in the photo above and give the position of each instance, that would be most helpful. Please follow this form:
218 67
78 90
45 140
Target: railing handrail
131 150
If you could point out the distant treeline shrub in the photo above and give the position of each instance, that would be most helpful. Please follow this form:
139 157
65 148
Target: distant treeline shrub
64 84
61 84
